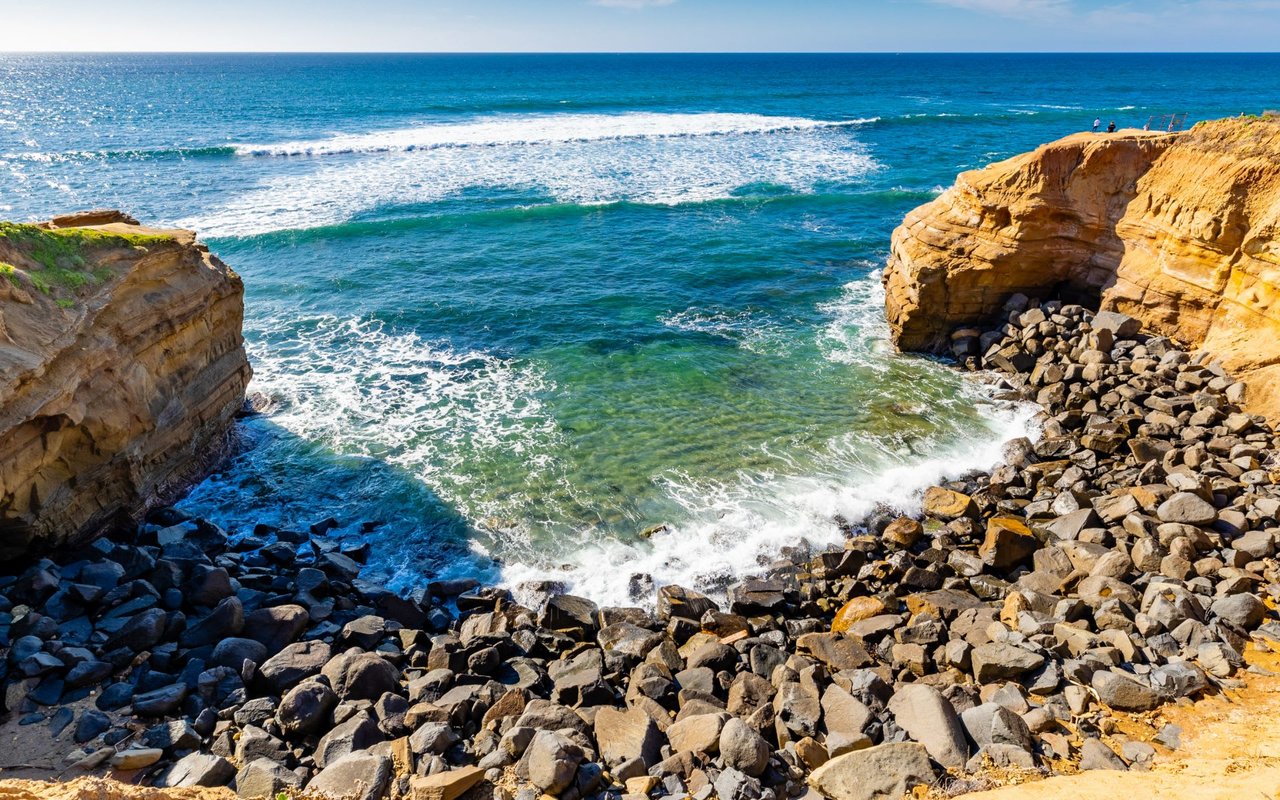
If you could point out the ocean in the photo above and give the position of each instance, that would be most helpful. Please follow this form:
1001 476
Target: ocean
605 320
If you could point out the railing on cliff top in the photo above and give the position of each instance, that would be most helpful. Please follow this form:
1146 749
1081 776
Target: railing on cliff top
1166 122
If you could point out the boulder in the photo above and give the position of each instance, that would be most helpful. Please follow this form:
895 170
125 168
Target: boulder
306 708
931 720
355 776
293 663
877 773
361 676
551 762
743 749
198 769
1187 508
999 661
626 735
1124 692
276 627
264 779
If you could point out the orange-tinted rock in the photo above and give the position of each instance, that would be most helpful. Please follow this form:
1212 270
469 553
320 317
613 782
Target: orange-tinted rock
903 532
1008 542
945 504
1181 231
856 610
121 368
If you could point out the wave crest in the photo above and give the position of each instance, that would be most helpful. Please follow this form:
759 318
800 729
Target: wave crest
543 129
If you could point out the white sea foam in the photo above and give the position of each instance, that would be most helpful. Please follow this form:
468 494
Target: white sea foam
752 330
730 529
733 530
668 159
366 390
543 129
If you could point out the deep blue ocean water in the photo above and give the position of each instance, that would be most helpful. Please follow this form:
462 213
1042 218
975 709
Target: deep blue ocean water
519 309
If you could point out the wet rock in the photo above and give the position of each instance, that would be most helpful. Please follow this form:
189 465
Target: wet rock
1008 542
677 601
946 505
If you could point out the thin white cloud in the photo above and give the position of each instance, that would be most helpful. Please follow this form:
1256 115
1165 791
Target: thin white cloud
1021 9
634 5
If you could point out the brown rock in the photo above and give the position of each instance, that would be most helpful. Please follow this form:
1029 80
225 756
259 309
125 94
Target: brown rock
856 610
448 785
903 532
945 504
1008 542
118 393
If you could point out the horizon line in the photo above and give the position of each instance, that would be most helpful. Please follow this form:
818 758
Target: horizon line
643 52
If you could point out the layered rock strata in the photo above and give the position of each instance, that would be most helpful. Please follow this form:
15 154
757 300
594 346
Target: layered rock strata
1181 231
1125 560
121 368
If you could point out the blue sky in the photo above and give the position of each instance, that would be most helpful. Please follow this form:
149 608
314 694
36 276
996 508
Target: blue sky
642 25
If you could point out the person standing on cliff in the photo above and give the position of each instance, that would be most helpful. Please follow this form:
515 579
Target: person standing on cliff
1097 122
1111 128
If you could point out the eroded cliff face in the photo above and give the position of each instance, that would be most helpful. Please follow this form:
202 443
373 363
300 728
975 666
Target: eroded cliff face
1180 230
121 368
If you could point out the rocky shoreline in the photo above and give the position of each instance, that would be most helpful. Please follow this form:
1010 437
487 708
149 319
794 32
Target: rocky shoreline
1123 561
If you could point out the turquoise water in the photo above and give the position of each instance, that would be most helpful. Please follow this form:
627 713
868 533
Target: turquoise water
519 309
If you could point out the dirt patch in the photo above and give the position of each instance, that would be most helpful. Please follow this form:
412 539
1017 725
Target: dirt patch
103 789
1230 750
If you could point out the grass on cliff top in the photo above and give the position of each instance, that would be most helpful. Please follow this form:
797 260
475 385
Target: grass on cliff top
63 256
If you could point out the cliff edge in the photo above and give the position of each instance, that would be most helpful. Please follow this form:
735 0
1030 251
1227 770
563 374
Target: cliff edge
1179 230
121 368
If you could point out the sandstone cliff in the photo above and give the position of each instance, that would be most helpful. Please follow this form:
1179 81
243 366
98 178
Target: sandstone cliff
121 368
1180 230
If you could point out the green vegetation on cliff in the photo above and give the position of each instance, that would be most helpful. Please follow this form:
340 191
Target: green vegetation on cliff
63 255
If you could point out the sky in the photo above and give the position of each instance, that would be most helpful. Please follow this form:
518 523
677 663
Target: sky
641 25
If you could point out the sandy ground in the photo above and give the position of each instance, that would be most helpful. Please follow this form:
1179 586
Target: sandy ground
102 789
1230 750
